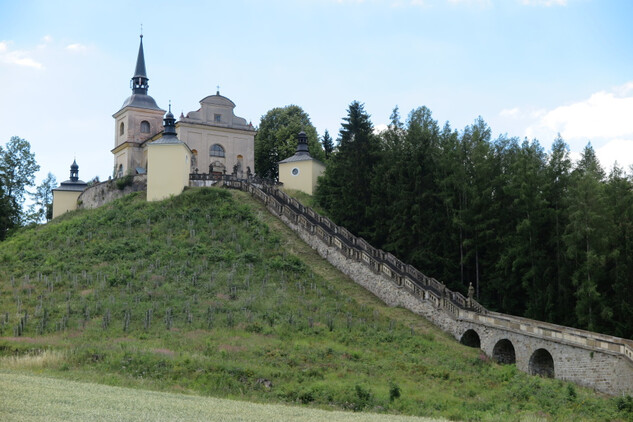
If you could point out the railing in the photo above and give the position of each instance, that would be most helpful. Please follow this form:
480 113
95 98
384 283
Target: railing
408 277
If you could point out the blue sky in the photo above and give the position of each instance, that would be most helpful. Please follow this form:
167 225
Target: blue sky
528 67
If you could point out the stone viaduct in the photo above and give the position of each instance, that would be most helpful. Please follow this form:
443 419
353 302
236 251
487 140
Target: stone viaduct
602 362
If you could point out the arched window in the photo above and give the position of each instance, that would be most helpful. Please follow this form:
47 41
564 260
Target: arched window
144 126
121 128
217 150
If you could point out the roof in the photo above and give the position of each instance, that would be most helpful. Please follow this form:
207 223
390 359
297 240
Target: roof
69 185
141 101
218 99
299 157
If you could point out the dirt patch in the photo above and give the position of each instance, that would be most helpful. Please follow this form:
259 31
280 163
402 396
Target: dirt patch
230 348
165 352
85 292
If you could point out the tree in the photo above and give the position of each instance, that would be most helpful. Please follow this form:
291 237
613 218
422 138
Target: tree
276 139
345 189
328 144
585 237
42 207
17 172
7 212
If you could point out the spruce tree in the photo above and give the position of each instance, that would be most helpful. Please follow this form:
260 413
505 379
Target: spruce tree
344 190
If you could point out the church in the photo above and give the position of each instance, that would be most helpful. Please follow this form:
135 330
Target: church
219 141
211 141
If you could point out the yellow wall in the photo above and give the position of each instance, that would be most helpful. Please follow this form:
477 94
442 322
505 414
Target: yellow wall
64 201
168 170
306 180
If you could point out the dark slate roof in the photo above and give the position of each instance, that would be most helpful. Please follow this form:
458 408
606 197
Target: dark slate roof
140 62
299 157
69 185
141 101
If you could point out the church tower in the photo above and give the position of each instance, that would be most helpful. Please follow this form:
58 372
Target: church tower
138 120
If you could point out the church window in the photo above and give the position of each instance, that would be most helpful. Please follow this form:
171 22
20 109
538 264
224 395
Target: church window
217 151
121 128
144 126
217 118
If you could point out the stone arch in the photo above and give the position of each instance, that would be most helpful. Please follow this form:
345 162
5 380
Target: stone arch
504 353
470 338
541 363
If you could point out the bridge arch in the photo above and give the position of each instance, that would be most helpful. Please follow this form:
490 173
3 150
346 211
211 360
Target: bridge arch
541 363
504 353
470 338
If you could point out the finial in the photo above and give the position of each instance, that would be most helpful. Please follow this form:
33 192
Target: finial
141 30
218 91
170 106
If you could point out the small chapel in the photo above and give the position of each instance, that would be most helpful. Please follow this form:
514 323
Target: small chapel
219 141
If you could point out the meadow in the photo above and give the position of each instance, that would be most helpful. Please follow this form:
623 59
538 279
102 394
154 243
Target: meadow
207 294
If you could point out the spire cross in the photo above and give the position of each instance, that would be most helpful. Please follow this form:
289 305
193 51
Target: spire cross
141 30
218 87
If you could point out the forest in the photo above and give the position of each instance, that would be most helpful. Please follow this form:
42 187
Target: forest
537 234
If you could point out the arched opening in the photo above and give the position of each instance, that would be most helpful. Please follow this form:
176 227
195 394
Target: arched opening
542 363
145 126
503 352
121 128
216 150
194 160
471 339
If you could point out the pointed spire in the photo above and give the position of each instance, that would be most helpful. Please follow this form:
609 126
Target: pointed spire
140 80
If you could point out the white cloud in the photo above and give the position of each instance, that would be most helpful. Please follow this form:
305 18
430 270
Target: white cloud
546 3
603 115
17 57
482 3
617 150
604 119
77 48
510 112
380 128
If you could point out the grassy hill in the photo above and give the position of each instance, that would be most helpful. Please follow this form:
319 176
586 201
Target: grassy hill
208 294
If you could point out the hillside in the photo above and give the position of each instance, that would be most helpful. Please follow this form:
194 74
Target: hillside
208 294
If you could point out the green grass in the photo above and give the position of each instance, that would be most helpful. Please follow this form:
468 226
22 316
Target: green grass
28 398
208 294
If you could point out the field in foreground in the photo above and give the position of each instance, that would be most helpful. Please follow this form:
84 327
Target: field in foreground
28 398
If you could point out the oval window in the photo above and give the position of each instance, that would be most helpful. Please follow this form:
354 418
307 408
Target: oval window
295 171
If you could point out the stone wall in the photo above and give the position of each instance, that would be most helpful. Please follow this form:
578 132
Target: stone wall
602 362
104 192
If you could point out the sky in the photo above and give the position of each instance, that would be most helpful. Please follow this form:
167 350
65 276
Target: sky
529 68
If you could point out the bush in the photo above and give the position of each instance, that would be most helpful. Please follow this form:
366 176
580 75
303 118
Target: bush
394 391
124 181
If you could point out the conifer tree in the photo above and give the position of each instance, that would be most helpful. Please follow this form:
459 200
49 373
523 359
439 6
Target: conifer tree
344 190
328 144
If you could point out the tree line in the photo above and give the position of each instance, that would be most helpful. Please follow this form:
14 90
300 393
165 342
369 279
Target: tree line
17 173
536 234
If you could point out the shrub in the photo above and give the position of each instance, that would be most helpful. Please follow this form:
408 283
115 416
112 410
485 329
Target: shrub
394 391
124 181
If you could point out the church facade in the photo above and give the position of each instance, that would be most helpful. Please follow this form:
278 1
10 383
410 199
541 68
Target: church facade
220 142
